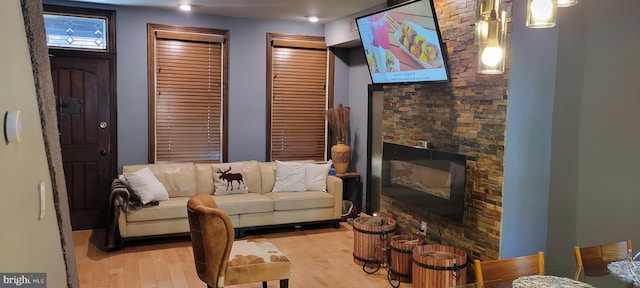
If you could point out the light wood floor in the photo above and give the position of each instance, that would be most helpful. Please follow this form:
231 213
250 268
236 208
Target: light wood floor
320 257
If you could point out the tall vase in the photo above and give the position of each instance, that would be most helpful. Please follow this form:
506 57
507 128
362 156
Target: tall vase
341 156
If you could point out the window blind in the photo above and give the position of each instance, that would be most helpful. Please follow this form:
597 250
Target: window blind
188 102
298 100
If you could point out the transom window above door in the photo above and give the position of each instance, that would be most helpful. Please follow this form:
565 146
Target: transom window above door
76 31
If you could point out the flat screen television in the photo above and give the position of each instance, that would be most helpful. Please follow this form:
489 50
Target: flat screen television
402 44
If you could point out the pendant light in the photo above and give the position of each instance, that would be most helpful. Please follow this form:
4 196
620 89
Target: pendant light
491 29
567 3
492 50
542 13
483 13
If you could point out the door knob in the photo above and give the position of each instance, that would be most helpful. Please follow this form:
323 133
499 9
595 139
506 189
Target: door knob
103 152
103 125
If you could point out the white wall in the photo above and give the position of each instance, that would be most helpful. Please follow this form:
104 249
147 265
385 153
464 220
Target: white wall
341 77
528 137
351 82
28 245
609 131
572 181
563 190
343 32
359 81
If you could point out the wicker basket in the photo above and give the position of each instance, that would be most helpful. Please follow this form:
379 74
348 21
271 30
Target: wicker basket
400 256
437 266
369 241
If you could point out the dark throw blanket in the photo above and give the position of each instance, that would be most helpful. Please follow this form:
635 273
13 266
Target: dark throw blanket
121 200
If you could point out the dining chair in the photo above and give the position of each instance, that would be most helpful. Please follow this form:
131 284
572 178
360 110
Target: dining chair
508 268
219 260
593 260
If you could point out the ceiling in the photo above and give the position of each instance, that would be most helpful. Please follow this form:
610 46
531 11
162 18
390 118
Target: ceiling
287 10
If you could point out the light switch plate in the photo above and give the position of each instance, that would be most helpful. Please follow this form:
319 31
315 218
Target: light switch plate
42 192
13 126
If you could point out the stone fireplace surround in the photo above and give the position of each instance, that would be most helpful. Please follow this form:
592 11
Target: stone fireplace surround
465 116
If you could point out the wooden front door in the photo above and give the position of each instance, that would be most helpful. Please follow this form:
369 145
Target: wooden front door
84 88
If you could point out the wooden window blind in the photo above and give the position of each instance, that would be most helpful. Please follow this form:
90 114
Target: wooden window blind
188 109
298 97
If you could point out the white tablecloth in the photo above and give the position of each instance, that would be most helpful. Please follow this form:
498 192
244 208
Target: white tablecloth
621 270
544 281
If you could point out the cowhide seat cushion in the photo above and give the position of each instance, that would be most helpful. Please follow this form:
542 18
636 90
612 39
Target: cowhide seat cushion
251 261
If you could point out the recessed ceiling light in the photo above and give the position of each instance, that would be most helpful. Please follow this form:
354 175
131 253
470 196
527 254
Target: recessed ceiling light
185 7
313 19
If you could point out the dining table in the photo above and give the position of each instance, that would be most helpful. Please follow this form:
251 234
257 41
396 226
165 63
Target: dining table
560 278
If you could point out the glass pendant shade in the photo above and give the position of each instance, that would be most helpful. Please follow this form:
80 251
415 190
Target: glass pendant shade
482 16
541 13
486 6
482 29
567 3
491 56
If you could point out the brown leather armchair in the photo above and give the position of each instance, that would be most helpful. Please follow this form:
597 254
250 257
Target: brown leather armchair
213 241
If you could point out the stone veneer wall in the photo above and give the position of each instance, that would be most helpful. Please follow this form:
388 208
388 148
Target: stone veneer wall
465 116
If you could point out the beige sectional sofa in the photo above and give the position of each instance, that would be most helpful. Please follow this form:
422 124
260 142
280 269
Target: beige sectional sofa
258 208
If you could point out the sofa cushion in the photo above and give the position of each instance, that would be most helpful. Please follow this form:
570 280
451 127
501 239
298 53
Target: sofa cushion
300 200
251 174
290 176
268 171
178 178
146 186
234 204
175 207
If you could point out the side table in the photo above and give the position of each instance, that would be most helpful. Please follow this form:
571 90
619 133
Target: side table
352 189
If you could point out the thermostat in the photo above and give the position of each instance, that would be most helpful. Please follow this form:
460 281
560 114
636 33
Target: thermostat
13 126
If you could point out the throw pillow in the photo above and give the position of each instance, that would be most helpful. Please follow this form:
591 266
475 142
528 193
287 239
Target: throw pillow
317 176
228 179
146 186
290 176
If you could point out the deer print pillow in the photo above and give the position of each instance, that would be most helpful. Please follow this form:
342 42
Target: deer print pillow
228 179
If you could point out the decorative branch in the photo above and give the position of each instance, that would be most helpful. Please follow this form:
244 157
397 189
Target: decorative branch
338 119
